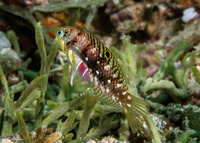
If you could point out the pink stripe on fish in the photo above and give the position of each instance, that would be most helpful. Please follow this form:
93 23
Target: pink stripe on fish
83 71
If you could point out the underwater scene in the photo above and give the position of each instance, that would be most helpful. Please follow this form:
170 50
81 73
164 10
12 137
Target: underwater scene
100 71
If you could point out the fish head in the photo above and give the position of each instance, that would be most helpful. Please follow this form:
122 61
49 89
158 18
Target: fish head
63 37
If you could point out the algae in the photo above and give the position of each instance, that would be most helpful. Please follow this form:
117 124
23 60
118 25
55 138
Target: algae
90 111
42 100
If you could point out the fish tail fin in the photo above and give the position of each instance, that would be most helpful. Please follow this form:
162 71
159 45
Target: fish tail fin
137 114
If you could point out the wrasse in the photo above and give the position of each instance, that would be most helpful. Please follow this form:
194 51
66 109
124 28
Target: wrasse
96 64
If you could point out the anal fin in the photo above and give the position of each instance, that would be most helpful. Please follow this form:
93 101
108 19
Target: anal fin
137 115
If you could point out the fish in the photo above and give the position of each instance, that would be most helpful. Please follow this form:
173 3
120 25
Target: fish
96 64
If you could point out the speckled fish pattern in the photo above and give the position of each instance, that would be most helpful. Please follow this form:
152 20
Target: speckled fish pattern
96 64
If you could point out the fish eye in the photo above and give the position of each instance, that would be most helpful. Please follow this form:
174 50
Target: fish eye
107 54
59 33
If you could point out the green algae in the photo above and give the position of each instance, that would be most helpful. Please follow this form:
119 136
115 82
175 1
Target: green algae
8 107
13 38
196 74
187 116
165 85
22 127
91 110
68 112
75 8
46 61
192 114
132 68
68 4
66 126
90 102
136 76
21 12
178 87
186 136
180 49
58 111
30 93
64 91
124 132
105 124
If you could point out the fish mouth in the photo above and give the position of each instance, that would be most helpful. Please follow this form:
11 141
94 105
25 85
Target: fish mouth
61 43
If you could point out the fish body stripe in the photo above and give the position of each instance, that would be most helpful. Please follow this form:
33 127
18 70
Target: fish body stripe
106 99
83 71
79 65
